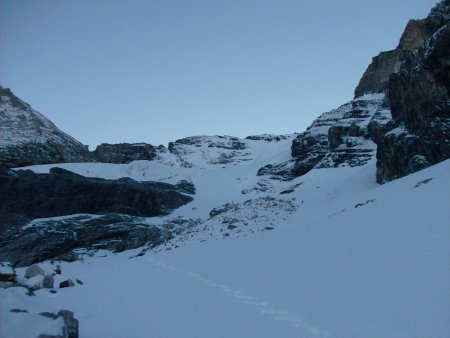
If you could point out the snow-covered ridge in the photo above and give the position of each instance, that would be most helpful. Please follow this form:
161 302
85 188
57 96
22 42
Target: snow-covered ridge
19 124
28 137
207 151
358 113
188 157
345 136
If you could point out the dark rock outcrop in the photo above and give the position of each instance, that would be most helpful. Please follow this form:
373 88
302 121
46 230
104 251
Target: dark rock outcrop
377 76
124 152
25 195
70 329
416 32
220 142
418 89
420 105
341 137
267 137
278 171
27 137
71 325
401 110
68 283
58 238
201 151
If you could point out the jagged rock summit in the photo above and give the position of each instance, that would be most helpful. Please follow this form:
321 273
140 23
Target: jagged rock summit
376 78
27 137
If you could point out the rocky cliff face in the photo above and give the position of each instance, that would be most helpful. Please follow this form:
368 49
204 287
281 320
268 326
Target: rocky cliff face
201 151
25 195
401 104
420 105
124 152
376 78
23 246
105 205
27 137
345 136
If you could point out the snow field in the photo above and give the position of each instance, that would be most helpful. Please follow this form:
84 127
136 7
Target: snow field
355 259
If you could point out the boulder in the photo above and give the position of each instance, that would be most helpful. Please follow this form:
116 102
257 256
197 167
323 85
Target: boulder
7 274
48 282
34 270
70 329
68 283
35 283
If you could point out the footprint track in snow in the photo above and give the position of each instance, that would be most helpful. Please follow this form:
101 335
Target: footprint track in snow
262 306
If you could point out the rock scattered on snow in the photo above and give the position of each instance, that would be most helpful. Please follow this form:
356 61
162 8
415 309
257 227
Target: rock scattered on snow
66 284
33 271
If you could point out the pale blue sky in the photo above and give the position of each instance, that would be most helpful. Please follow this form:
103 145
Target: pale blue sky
154 71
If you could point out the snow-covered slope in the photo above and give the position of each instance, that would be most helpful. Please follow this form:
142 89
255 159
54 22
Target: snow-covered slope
328 254
287 236
217 182
27 137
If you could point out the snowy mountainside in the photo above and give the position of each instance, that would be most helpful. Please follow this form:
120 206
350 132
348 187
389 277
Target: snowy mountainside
199 162
339 256
204 151
28 137
19 114
284 236
232 187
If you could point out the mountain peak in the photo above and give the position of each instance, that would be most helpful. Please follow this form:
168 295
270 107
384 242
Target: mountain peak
376 77
28 137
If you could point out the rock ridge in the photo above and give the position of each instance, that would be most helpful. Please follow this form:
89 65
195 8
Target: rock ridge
25 195
27 137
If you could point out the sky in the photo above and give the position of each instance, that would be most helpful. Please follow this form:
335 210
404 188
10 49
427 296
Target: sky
155 71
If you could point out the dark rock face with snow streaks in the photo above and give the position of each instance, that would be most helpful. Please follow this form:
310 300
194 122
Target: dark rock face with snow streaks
345 136
25 196
23 246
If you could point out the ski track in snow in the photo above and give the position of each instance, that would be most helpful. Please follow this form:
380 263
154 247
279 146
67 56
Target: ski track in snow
264 307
